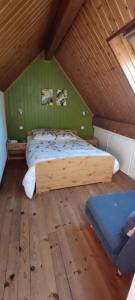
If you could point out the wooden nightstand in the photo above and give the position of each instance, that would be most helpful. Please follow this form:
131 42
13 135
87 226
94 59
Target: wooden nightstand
91 140
16 150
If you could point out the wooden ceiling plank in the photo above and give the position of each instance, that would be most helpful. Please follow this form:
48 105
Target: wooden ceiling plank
81 58
88 62
99 82
12 20
99 5
90 50
87 83
84 52
18 21
17 35
131 6
4 5
20 55
98 29
77 73
124 10
11 11
112 77
92 46
64 17
26 46
25 29
115 12
89 59
95 42
109 16
18 39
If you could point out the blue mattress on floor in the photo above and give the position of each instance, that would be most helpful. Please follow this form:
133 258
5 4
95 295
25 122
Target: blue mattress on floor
108 214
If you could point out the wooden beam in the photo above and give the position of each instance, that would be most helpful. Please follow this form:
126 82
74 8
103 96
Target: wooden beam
125 29
65 14
117 127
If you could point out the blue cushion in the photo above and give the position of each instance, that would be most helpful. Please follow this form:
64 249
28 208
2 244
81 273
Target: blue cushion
130 222
109 213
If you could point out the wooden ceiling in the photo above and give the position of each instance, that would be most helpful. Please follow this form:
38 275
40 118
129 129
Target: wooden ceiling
89 62
63 19
23 29
28 27
84 52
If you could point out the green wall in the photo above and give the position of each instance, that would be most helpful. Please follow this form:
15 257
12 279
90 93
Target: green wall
25 94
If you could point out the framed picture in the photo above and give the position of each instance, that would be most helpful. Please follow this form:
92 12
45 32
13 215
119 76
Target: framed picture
47 97
61 97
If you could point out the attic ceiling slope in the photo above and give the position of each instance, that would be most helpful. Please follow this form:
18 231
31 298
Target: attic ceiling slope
65 14
89 62
23 28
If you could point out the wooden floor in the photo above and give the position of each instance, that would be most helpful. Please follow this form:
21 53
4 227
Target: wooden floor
47 249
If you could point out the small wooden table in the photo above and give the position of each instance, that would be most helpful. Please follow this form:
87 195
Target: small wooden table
91 140
16 150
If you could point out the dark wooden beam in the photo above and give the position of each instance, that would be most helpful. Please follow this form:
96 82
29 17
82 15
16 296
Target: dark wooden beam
65 14
125 29
118 127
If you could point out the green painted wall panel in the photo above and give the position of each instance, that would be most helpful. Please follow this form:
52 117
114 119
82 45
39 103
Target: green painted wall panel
26 94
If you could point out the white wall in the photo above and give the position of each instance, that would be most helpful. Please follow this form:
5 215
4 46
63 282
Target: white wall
3 135
123 148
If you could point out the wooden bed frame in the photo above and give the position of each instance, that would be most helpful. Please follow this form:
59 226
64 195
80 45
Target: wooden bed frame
68 172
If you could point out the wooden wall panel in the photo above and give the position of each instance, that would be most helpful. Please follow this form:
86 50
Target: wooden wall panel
23 28
90 63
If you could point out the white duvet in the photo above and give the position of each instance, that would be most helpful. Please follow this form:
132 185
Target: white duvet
38 151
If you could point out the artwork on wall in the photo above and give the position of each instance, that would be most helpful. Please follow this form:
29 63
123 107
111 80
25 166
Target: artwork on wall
61 97
47 97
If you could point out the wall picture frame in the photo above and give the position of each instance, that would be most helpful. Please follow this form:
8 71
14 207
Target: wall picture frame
61 97
47 97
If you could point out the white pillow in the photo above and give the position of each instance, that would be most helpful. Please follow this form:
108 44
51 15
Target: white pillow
65 135
51 134
43 134
43 138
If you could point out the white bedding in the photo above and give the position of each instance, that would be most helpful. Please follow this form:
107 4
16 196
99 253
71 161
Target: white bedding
38 151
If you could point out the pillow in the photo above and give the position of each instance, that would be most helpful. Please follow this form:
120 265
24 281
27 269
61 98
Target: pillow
41 131
43 137
37 131
51 134
65 135
129 227
43 134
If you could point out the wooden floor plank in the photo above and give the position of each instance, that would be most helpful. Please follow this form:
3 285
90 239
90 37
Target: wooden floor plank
10 293
47 249
63 288
24 257
117 287
38 284
81 267
7 195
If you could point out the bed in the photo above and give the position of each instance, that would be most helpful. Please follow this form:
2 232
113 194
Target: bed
59 159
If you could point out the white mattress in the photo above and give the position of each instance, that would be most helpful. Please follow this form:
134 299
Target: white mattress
37 151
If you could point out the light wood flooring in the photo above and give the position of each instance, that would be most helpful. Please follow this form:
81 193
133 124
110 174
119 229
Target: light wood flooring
47 249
